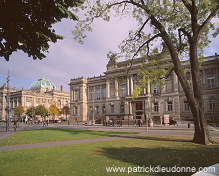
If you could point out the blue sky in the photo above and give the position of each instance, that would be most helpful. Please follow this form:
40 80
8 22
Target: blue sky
68 59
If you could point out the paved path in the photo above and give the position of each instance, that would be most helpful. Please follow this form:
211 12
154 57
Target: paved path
160 130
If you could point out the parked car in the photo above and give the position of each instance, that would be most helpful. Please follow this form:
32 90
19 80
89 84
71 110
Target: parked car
173 122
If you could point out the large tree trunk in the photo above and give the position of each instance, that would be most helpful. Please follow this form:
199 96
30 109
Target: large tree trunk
193 93
201 135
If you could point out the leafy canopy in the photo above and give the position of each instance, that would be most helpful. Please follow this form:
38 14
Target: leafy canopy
53 110
65 110
183 25
18 111
41 110
31 111
174 17
27 25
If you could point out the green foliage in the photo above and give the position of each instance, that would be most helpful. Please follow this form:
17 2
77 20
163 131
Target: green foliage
30 111
41 110
53 110
173 15
65 110
182 26
27 25
19 111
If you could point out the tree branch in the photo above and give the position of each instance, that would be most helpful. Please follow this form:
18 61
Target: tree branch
142 27
208 19
145 43
185 33
187 5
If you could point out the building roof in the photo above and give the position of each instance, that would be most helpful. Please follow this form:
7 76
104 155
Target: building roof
43 83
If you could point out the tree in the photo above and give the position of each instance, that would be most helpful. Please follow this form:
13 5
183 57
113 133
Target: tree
41 110
182 25
27 25
31 112
66 110
53 110
18 111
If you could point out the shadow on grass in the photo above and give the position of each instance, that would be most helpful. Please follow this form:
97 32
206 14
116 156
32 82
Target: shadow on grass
170 139
170 155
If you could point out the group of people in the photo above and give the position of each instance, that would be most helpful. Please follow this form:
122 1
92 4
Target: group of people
112 123
138 123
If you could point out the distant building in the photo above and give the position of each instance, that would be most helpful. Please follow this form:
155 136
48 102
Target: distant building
41 92
109 97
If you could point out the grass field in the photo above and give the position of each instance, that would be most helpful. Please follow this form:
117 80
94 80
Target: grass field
93 158
56 134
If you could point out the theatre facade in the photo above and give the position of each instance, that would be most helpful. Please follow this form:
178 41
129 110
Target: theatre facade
109 96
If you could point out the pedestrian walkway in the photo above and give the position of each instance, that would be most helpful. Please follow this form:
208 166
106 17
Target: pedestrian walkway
143 132
62 143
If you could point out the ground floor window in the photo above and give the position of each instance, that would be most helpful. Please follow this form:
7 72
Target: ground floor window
156 107
170 106
186 106
212 104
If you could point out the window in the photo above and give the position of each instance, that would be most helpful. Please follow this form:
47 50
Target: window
77 93
112 109
75 110
210 81
104 92
98 93
170 106
123 90
156 107
91 93
97 109
211 104
91 110
122 109
103 109
112 91
186 106
156 90
139 106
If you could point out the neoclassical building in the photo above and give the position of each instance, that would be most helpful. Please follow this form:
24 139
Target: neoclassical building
110 97
41 92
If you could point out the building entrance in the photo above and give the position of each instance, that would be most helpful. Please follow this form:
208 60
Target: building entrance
138 110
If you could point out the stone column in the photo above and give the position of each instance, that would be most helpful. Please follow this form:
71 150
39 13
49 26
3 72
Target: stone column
127 87
116 88
107 89
131 84
144 89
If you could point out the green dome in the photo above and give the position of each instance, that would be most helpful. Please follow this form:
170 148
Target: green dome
43 83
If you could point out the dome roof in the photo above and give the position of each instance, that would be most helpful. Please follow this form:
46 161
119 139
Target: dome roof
43 83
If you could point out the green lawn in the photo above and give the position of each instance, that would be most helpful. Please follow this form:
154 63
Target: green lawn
55 134
93 158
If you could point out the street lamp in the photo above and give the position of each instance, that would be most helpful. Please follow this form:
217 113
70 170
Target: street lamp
8 109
